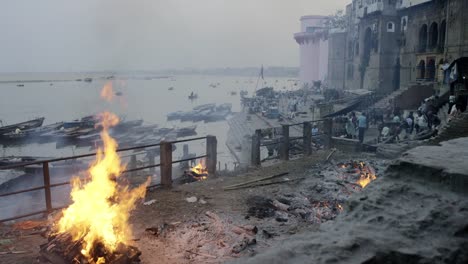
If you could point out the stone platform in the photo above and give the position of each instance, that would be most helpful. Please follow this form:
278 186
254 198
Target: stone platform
445 164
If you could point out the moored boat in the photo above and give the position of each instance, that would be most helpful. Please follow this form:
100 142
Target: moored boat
22 126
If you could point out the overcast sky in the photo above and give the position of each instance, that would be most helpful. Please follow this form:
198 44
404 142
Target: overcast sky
88 35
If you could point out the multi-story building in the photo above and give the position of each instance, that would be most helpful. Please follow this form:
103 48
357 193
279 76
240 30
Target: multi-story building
393 43
313 49
432 33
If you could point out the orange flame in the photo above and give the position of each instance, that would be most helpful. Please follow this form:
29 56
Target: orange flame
101 207
200 170
107 93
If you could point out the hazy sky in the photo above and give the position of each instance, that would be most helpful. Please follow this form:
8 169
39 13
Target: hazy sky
81 35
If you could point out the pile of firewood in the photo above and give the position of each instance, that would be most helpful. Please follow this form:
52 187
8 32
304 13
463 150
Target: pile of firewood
61 249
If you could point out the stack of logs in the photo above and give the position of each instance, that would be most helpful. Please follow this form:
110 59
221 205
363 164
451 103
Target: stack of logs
61 249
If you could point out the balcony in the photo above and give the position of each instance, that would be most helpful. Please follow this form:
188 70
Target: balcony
306 37
370 8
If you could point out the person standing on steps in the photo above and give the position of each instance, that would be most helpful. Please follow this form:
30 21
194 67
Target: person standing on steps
362 125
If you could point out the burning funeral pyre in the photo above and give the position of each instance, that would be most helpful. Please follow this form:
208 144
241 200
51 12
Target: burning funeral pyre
95 228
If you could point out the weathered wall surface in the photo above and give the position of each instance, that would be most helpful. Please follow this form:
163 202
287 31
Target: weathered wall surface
336 60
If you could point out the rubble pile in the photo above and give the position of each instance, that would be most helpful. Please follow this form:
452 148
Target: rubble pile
204 239
321 195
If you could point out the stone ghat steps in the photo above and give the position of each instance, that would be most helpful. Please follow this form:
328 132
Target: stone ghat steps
444 164
456 128
385 102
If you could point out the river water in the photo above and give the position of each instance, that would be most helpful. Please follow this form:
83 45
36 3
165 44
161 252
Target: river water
142 98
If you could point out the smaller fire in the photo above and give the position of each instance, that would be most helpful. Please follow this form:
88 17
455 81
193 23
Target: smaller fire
199 172
365 179
367 175
365 171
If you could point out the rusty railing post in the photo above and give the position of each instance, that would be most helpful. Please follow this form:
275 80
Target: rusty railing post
185 155
284 150
307 133
166 164
255 152
211 154
48 195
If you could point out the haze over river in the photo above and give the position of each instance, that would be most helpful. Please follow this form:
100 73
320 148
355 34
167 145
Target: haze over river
142 98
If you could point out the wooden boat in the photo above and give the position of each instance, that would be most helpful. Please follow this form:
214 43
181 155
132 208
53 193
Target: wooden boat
15 160
22 126
186 131
204 107
193 96
217 116
125 125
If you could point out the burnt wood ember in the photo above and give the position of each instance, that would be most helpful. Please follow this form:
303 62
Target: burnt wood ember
191 176
61 249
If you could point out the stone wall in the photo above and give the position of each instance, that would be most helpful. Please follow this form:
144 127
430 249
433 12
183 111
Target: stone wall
336 60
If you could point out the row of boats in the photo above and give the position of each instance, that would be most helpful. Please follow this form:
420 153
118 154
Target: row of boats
206 113
85 133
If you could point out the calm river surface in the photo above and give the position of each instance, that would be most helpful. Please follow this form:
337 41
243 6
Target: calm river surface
143 98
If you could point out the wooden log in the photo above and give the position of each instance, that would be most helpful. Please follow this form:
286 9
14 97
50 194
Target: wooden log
250 230
257 180
201 254
331 154
61 249
243 243
264 184
280 206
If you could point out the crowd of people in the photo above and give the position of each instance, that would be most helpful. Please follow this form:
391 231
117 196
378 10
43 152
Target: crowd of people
398 125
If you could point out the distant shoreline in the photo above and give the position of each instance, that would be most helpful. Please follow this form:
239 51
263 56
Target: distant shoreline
39 77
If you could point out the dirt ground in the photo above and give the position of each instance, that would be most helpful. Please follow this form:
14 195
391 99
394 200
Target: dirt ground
213 229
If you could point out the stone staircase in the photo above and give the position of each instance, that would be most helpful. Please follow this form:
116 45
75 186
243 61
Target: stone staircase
404 92
456 128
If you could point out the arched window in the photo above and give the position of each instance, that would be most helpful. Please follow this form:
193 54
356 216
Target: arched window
390 27
421 70
423 38
442 30
433 35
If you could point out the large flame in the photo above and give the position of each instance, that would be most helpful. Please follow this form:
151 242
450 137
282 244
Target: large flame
101 207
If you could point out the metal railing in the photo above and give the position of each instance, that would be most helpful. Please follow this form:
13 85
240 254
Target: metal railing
285 140
165 165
